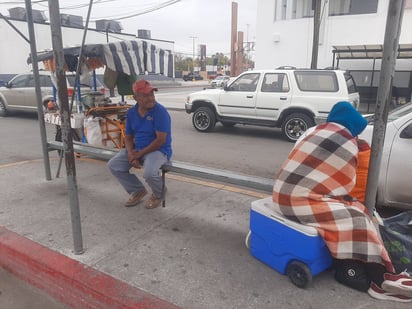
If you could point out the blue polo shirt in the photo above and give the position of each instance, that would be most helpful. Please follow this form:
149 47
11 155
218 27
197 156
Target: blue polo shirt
144 128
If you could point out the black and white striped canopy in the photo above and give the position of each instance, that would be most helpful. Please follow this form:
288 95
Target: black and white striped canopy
130 57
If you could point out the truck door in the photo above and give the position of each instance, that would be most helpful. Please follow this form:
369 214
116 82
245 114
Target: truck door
273 96
239 98
397 183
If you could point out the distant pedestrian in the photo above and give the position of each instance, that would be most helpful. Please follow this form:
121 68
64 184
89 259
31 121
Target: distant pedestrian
147 144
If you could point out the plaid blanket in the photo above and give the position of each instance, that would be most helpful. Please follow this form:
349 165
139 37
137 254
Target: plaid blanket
312 186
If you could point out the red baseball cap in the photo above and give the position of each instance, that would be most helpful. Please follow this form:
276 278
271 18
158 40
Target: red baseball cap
143 86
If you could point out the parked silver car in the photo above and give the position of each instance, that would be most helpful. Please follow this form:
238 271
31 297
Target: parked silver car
394 186
19 93
220 81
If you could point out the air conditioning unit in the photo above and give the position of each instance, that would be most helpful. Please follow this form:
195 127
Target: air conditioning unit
144 34
20 14
108 25
71 20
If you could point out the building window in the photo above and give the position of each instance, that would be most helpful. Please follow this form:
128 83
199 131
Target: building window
284 9
352 7
293 9
303 8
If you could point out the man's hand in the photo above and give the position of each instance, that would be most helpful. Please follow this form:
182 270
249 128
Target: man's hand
134 158
136 163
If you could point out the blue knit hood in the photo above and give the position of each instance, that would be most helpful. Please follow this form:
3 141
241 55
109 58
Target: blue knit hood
345 114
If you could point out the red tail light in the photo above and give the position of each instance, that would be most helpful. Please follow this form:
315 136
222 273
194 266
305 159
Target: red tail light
69 92
102 90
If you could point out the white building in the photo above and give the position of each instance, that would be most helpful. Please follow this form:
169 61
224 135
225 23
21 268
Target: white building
285 38
16 50
285 30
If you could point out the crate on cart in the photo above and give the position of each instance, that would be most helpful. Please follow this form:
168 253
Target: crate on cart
289 247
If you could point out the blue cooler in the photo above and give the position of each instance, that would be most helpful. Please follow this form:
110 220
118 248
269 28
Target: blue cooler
287 246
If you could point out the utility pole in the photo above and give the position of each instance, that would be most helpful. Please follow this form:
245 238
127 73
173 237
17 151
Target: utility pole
316 26
247 47
233 41
193 59
390 51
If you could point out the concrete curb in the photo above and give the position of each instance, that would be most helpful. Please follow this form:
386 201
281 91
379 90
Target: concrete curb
68 280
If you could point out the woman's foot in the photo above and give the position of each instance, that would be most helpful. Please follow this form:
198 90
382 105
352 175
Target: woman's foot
378 293
400 283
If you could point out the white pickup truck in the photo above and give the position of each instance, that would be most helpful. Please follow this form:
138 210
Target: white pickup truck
290 99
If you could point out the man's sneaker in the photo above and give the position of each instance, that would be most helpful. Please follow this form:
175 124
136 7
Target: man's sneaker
153 202
135 198
378 293
400 284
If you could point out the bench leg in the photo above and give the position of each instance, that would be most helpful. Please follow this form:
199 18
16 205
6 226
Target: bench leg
163 188
61 154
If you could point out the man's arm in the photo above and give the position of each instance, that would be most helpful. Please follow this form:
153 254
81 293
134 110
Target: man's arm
160 139
135 156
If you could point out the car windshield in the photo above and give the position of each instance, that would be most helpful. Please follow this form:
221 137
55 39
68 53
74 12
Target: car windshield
84 83
400 111
393 114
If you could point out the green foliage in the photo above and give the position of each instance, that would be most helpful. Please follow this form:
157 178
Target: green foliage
185 63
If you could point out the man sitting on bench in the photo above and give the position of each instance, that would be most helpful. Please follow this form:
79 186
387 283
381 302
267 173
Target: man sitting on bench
147 144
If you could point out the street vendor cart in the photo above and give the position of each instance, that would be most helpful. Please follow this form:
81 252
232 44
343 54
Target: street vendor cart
96 119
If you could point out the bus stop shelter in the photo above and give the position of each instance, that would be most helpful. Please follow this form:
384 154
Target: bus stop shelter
368 81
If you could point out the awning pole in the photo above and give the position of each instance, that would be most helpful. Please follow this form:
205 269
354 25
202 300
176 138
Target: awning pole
33 50
67 136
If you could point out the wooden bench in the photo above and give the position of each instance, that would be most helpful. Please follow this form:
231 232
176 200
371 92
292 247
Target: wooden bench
252 182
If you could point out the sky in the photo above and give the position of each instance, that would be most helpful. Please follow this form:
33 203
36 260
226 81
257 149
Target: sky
186 22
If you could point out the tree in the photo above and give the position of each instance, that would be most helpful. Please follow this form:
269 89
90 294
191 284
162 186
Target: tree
185 63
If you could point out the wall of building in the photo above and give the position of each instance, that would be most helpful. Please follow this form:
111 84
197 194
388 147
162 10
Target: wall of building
15 50
289 41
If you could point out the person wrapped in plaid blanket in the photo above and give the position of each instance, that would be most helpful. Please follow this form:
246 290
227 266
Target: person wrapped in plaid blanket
312 188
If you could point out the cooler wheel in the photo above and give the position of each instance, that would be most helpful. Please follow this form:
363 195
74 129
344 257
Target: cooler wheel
247 240
299 274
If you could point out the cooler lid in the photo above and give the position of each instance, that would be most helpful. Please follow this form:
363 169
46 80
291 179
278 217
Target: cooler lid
266 208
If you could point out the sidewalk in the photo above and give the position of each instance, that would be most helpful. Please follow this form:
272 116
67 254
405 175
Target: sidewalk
190 254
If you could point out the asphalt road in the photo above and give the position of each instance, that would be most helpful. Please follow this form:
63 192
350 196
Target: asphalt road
18 294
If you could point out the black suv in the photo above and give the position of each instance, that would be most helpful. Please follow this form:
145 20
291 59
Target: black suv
192 76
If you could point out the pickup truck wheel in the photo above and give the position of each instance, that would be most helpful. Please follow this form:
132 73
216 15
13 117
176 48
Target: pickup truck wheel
295 124
204 119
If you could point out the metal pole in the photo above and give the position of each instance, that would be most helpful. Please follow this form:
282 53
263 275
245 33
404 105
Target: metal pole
316 26
390 51
76 78
193 59
65 125
33 52
17 30
233 40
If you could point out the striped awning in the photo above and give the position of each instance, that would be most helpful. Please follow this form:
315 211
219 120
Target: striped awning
129 57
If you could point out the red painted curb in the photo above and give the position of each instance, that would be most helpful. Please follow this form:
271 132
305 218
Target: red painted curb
68 280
